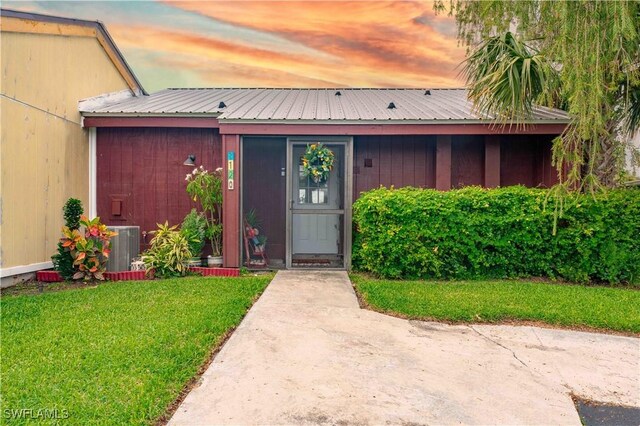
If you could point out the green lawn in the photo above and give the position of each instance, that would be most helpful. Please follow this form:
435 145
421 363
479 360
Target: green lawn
606 308
118 353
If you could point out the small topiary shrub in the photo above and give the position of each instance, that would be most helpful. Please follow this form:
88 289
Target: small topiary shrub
496 233
62 261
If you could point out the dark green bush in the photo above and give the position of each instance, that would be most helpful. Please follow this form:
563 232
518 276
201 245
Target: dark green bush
62 261
72 211
496 233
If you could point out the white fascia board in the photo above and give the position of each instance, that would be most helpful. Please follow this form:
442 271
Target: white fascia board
25 269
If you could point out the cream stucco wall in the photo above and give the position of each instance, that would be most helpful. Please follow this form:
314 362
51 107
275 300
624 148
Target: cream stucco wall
43 148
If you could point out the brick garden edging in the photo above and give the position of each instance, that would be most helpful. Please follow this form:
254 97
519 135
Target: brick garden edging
54 276
215 272
48 276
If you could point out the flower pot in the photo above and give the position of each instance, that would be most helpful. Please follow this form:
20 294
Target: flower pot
195 261
214 261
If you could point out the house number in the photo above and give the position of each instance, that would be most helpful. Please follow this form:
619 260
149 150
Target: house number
230 169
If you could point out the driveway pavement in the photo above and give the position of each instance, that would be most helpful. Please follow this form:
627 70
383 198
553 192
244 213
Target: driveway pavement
307 354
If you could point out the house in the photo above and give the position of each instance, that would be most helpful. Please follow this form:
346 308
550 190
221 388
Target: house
420 137
81 125
48 65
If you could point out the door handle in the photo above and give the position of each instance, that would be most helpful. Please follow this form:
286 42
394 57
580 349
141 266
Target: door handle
291 204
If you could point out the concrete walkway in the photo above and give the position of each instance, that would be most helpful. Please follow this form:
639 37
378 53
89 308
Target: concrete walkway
307 354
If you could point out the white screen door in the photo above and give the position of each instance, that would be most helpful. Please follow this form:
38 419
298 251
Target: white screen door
316 208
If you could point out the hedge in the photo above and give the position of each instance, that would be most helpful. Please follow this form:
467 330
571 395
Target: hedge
474 233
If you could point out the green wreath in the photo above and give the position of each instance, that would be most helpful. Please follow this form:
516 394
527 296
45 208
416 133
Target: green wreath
317 162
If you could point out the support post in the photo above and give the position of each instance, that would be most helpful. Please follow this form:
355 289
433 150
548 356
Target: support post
231 201
93 167
443 162
491 161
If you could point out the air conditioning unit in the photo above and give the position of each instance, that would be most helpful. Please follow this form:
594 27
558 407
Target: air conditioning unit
124 247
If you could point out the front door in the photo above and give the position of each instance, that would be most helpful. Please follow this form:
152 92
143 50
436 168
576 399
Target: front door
317 212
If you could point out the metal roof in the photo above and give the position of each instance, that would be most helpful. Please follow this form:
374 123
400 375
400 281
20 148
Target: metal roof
312 105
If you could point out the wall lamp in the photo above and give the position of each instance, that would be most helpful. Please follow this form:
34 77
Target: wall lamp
190 161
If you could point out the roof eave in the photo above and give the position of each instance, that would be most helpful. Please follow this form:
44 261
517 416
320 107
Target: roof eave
148 115
394 122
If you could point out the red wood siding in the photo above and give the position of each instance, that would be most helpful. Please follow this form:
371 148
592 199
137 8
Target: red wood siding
395 160
526 160
231 230
265 188
467 161
141 170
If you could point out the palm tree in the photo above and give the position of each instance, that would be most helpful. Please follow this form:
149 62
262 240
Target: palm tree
506 78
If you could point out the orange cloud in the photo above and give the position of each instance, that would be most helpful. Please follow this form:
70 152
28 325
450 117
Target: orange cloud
372 43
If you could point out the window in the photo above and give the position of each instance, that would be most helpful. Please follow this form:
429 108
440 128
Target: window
310 192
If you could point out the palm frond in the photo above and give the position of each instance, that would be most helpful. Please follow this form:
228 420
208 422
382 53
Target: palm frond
631 111
506 77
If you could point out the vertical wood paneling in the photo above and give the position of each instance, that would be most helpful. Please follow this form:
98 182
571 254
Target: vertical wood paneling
430 161
443 163
139 180
143 166
491 161
102 173
408 161
176 201
549 174
396 160
385 162
526 160
467 161
420 163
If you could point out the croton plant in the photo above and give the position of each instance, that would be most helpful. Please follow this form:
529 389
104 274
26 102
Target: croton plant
89 248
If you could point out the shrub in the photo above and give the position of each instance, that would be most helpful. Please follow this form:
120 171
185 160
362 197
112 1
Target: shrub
62 261
206 188
89 248
496 233
169 253
194 227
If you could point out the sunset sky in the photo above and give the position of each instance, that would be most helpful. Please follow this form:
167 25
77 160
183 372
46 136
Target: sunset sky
276 44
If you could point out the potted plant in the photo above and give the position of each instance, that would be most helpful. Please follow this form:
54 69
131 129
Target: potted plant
194 229
214 233
206 188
